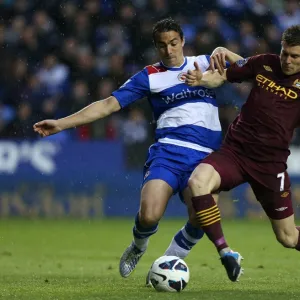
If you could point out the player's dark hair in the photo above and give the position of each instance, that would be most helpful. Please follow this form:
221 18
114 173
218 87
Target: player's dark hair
166 25
292 35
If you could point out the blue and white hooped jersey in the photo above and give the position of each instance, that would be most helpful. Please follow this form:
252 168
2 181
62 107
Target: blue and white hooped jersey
186 116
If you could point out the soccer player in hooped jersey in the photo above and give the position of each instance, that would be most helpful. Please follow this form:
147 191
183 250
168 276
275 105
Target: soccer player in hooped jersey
188 129
256 147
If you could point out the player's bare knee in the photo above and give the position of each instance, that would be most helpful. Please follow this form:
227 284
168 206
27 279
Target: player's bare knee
199 184
149 219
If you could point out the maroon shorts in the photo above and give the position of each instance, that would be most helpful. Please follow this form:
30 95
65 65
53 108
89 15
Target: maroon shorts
273 191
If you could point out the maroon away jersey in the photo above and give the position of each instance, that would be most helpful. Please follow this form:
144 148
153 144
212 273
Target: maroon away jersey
264 128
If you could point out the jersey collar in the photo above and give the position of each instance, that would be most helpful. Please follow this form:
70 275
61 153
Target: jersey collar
175 68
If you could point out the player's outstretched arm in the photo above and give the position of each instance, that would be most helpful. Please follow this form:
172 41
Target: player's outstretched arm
90 113
209 79
219 57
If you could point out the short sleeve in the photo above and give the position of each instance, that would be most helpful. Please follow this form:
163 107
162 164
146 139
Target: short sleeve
135 88
242 70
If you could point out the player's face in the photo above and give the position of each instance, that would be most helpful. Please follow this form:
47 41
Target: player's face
290 59
170 48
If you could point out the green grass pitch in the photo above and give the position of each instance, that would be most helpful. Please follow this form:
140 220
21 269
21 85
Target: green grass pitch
70 259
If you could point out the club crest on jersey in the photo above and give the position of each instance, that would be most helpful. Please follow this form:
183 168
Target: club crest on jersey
181 76
285 194
242 62
296 83
268 68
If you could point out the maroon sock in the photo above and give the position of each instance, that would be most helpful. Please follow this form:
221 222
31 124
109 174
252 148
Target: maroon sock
209 218
298 243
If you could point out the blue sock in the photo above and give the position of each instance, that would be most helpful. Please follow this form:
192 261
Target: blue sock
184 240
141 234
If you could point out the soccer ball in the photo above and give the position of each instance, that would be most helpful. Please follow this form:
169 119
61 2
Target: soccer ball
169 274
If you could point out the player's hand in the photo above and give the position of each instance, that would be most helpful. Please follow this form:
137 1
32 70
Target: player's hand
193 77
47 127
218 60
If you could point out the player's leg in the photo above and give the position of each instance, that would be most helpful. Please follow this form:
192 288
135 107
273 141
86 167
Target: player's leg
155 195
218 171
203 181
189 235
286 232
279 208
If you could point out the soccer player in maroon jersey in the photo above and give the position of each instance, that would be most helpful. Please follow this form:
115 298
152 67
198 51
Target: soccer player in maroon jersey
256 147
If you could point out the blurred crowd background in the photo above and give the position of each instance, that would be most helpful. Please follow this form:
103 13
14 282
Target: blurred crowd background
58 56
